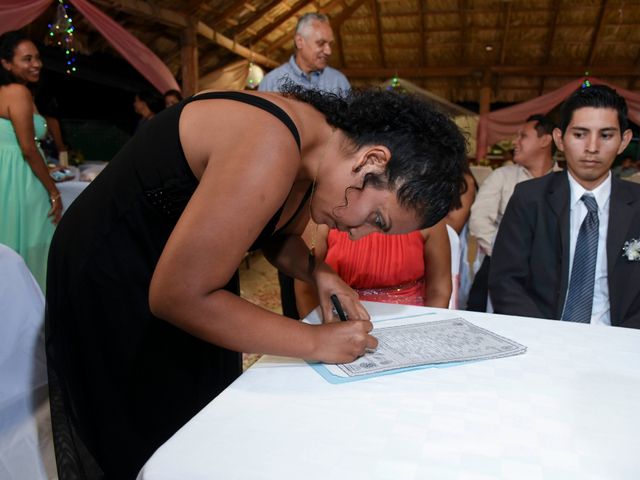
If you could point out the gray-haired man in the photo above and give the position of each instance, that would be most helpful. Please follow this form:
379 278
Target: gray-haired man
308 65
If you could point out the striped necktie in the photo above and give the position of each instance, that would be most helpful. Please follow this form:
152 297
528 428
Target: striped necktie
583 273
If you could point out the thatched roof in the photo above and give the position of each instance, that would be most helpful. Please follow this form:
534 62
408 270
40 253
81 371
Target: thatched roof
520 48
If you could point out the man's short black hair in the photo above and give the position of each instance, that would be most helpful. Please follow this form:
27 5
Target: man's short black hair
596 96
544 125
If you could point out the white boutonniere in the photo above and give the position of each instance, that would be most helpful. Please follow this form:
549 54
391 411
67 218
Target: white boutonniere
631 250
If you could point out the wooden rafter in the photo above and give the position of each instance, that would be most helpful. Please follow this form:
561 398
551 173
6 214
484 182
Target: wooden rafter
287 37
228 12
279 21
464 40
191 7
515 70
423 34
449 36
257 15
344 15
336 24
505 34
553 25
503 50
596 34
329 6
337 50
377 28
172 18
337 36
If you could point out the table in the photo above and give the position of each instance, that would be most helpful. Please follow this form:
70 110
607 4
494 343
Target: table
71 189
566 409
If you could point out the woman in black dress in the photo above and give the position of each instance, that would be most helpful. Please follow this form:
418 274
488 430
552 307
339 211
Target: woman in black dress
144 321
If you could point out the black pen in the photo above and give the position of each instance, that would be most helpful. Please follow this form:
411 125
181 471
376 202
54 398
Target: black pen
338 307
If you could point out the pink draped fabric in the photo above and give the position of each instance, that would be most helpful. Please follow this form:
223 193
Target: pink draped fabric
504 123
15 14
132 49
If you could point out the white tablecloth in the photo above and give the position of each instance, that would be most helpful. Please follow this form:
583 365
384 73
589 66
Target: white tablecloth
566 409
70 190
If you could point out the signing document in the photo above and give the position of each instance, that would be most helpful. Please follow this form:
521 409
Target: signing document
409 342
427 343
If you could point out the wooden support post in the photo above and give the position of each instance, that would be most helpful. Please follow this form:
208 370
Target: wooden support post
189 54
485 93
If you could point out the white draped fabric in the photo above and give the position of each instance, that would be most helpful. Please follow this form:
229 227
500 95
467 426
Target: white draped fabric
26 448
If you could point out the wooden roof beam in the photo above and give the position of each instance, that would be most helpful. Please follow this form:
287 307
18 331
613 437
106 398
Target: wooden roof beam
464 41
423 34
553 25
596 34
329 6
336 25
192 6
511 70
169 17
287 37
280 20
233 9
505 34
257 15
377 28
344 15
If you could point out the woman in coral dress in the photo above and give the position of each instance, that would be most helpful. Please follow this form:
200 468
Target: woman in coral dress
412 268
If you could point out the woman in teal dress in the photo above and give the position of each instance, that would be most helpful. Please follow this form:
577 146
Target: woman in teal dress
30 203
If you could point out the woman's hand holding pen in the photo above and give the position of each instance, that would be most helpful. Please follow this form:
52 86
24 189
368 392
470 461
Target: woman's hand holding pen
329 284
342 342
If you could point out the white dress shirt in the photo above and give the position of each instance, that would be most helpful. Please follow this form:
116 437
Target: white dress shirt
601 310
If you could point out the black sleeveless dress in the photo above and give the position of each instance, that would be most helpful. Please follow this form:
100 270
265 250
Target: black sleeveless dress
121 380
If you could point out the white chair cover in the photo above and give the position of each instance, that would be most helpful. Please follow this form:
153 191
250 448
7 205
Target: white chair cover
26 446
454 242
467 269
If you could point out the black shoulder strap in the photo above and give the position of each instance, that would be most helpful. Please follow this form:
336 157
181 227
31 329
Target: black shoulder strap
256 101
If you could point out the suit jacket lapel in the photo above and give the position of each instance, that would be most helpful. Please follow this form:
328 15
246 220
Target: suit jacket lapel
558 200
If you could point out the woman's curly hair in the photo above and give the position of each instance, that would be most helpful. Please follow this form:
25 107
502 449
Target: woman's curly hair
428 151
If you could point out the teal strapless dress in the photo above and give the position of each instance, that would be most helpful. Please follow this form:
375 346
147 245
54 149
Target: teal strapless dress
24 202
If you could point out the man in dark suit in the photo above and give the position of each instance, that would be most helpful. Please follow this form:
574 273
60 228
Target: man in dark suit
560 251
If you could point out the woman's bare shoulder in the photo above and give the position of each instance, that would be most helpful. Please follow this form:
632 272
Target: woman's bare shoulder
15 90
211 129
14 96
